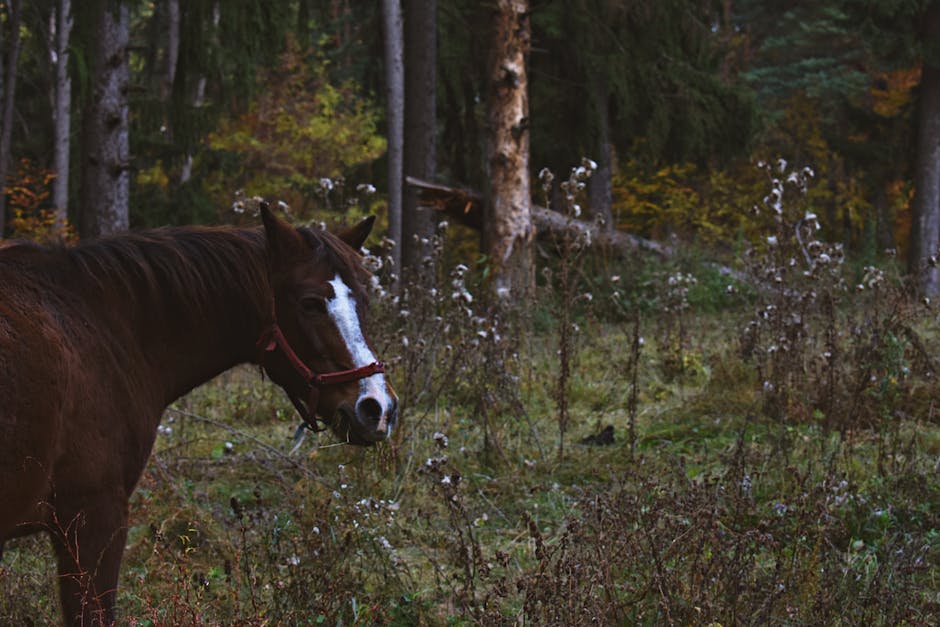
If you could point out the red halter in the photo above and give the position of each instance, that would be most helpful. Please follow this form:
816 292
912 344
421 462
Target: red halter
272 338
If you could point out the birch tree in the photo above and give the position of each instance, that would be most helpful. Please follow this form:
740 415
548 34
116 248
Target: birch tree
62 112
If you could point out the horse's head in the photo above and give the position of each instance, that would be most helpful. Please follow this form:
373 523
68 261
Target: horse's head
314 345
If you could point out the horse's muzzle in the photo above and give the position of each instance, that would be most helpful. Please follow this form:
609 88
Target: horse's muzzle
374 417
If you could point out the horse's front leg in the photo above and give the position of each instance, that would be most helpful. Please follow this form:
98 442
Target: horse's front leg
89 541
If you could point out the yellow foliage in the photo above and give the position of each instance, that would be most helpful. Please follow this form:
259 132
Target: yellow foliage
155 175
709 206
300 129
893 91
715 206
28 195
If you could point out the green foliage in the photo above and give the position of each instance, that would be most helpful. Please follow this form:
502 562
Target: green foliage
301 129
834 84
813 48
660 65
708 206
693 93
223 46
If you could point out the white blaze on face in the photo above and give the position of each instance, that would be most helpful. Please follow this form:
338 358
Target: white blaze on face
342 309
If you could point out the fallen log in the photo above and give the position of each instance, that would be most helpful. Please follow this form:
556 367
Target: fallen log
465 206
552 224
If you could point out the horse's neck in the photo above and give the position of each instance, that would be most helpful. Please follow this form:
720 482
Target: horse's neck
186 356
182 345
223 336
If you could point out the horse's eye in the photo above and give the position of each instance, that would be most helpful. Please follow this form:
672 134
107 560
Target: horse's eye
313 305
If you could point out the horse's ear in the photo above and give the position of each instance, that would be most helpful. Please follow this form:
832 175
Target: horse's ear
284 242
356 236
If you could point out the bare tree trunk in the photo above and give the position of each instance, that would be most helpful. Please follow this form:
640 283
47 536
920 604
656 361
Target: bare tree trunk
395 99
600 186
9 93
2 72
172 49
507 223
420 125
884 215
106 162
62 115
186 171
925 228
303 20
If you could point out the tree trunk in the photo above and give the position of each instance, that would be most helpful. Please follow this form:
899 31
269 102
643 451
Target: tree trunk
507 232
303 21
186 171
62 115
9 93
884 215
106 160
172 50
600 186
395 102
420 124
925 228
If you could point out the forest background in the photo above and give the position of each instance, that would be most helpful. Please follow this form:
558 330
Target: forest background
150 113
718 406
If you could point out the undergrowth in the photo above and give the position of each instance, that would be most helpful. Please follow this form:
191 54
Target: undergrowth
772 458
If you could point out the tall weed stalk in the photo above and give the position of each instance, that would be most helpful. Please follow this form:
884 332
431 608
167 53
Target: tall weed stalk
832 347
570 246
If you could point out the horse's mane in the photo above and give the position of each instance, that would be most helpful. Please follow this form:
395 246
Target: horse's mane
169 270
181 268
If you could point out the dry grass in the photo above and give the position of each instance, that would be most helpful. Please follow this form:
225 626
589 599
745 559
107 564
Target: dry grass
760 485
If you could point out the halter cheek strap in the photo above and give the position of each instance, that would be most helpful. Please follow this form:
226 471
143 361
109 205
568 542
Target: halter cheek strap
272 339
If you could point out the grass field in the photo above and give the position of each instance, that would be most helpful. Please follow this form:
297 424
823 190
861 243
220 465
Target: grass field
755 477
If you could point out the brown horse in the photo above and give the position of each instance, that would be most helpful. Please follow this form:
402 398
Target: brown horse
97 339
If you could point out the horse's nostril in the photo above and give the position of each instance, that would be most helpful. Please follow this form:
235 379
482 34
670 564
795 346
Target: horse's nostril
369 410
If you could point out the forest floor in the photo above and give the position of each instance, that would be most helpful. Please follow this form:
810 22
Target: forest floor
720 510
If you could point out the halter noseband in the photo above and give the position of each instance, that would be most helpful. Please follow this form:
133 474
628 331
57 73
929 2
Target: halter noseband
272 338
